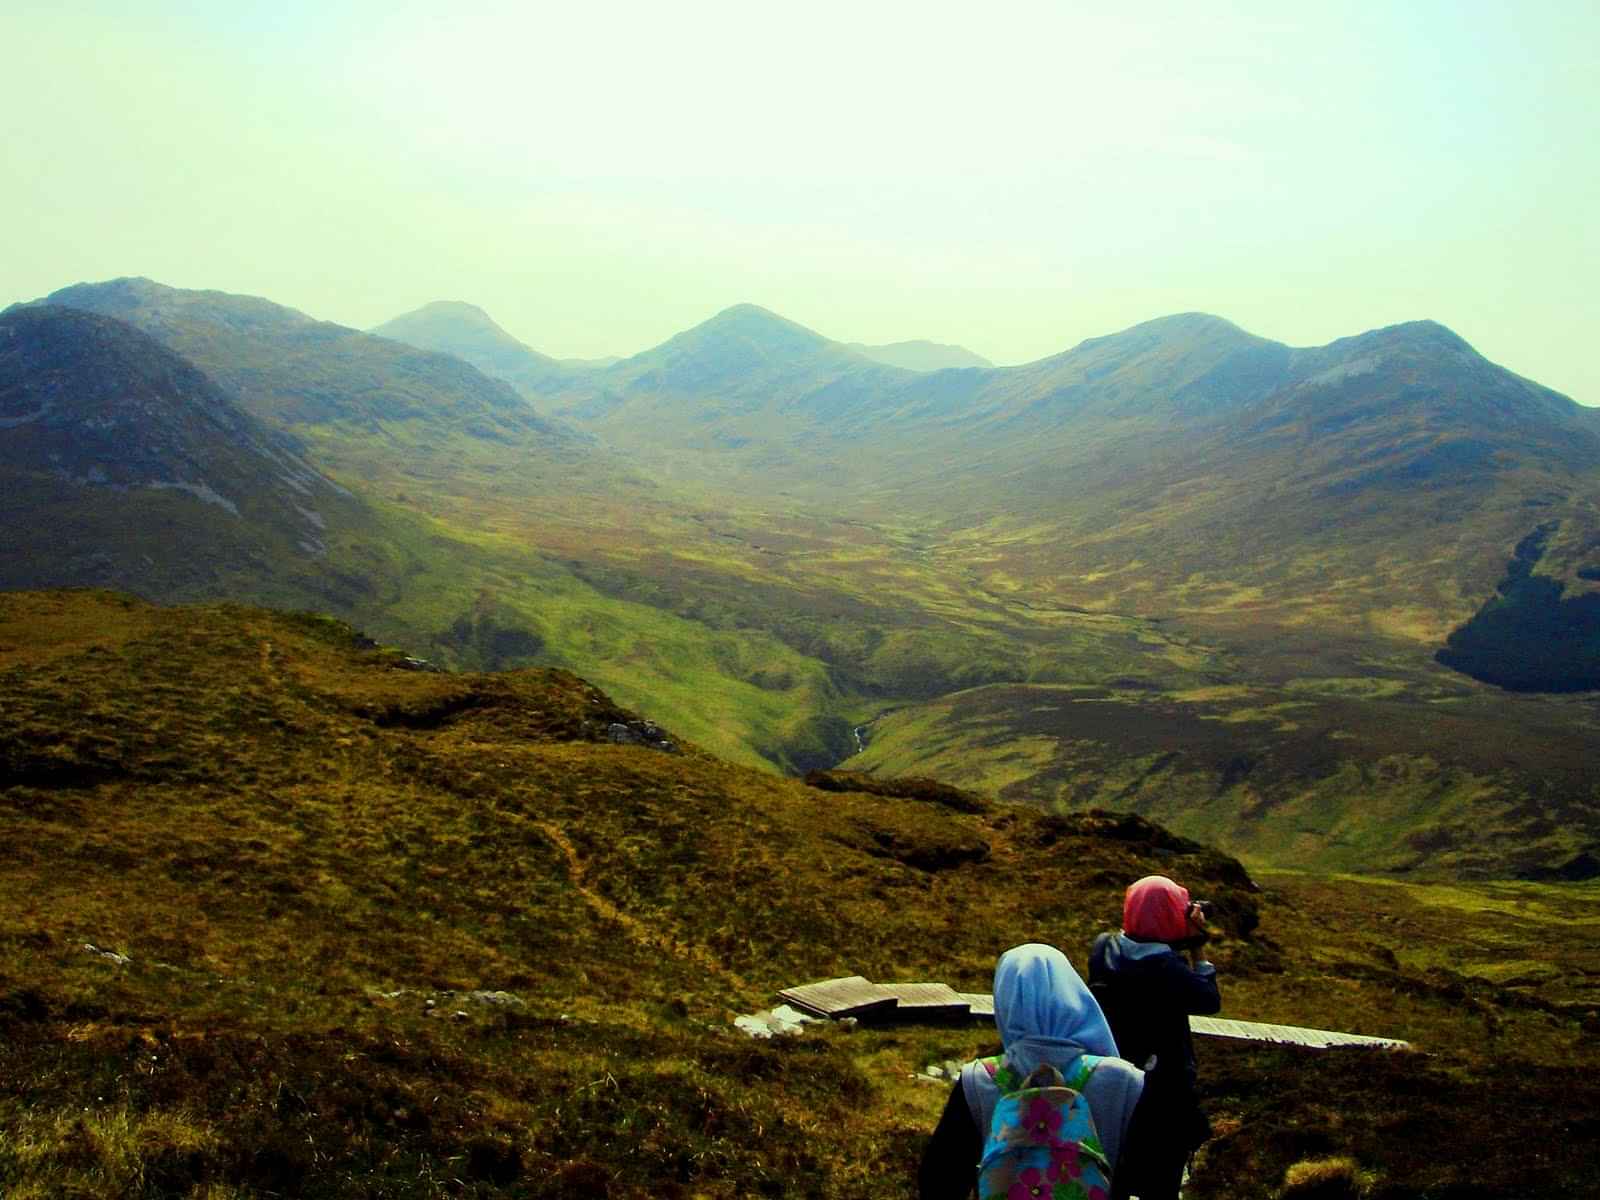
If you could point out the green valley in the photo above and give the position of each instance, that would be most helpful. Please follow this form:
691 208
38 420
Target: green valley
1179 569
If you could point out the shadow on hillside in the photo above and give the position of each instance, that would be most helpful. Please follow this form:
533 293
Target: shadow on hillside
1527 638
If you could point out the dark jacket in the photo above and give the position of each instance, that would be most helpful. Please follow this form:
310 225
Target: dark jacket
1148 992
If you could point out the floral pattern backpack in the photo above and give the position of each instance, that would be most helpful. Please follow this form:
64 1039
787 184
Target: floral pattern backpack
1042 1143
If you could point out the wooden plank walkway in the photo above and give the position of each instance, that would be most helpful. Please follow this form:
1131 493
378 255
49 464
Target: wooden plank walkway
850 996
1287 1035
858 997
928 1000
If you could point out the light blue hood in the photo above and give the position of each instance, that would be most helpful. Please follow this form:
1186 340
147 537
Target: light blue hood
1044 1010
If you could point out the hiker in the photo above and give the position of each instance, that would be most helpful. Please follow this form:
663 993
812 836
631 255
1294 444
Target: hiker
1045 1014
1148 992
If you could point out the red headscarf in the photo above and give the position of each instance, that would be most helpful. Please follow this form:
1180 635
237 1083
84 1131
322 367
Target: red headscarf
1156 910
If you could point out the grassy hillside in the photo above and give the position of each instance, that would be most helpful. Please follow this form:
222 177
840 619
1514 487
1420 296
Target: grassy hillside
1362 772
380 932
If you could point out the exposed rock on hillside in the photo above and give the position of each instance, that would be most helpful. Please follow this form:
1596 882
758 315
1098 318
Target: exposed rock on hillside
125 464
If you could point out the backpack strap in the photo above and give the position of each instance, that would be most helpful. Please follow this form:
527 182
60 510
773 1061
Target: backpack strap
1082 1070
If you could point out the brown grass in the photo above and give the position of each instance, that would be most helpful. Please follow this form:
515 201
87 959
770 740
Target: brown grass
312 859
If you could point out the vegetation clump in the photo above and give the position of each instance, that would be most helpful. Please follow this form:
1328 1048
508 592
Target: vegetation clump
930 790
1323 1179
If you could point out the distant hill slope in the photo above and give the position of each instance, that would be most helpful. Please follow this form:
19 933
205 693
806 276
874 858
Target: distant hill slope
746 376
921 355
468 333
1371 773
284 919
125 465
305 375
1182 467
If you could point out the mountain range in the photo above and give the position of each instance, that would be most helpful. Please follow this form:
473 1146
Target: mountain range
469 333
1181 467
774 538
369 401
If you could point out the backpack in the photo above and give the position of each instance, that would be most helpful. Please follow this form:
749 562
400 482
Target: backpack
1042 1143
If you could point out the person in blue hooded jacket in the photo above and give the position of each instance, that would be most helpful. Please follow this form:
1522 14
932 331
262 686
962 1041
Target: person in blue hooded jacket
1045 1014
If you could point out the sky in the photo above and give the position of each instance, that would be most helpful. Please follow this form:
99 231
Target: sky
1012 177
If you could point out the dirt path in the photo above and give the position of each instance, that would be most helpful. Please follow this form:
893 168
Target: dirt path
637 930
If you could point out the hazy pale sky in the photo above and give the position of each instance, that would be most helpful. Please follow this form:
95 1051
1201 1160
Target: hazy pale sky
1013 177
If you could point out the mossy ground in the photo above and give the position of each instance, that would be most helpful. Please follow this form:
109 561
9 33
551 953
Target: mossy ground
312 858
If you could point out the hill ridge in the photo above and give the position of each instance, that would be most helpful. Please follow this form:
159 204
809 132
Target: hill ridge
296 372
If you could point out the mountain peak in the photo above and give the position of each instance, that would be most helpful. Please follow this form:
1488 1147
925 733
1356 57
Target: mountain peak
139 300
751 320
469 333
1190 321
443 325
1178 333
1424 333
458 310
745 333
1184 326
127 291
93 402
1408 339
744 310
745 350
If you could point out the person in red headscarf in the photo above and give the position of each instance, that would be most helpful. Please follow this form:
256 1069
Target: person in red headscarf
1149 978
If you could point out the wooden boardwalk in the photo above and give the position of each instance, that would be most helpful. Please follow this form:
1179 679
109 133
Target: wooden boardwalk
1288 1035
857 997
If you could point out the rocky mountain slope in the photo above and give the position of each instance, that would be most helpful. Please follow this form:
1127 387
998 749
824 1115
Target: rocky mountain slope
123 464
314 377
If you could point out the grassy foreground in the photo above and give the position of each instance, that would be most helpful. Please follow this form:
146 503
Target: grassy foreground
282 918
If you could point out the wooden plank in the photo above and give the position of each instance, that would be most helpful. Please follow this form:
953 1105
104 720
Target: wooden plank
1287 1035
855 996
849 996
980 1004
928 1000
